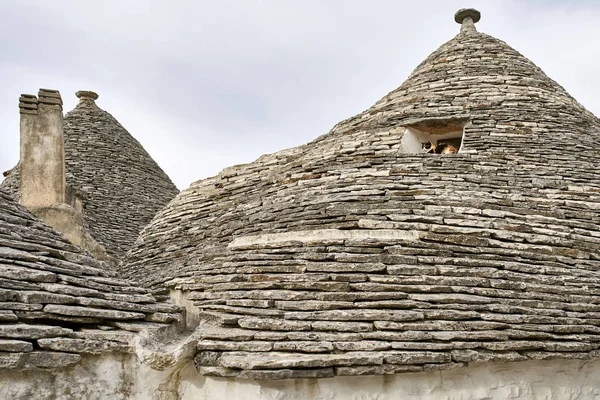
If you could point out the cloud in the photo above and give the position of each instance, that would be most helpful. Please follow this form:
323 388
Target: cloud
204 84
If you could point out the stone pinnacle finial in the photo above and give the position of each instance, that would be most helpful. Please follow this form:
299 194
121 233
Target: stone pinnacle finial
86 95
467 17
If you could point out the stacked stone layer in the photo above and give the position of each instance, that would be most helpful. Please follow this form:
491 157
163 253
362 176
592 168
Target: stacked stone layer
57 302
121 186
347 257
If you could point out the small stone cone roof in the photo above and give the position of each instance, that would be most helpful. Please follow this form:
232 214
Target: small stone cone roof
122 186
58 303
349 256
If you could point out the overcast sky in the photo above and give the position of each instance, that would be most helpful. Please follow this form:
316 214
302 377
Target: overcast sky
208 84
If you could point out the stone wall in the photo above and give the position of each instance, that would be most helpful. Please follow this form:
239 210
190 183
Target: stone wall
548 380
124 377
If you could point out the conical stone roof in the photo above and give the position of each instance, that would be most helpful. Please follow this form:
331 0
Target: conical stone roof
58 303
121 185
350 256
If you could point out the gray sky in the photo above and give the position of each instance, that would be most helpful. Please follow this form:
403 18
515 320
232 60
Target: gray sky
207 84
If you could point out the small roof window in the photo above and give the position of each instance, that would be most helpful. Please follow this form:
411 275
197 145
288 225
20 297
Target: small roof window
434 136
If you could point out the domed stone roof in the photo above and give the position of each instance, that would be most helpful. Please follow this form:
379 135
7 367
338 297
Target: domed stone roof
121 185
357 254
58 303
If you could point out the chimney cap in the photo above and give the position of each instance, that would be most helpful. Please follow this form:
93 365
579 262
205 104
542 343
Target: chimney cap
463 13
86 95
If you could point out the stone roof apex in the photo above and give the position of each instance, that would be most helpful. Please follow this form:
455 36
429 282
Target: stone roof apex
467 17
87 95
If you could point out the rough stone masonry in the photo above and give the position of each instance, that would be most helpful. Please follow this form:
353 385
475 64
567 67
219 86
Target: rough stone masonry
353 267
349 256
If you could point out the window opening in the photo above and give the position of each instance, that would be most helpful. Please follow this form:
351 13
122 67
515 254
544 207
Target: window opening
434 137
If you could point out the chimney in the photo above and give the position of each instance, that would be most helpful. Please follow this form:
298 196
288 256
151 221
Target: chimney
42 150
43 188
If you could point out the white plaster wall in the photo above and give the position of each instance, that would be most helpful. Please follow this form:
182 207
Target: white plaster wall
114 377
124 377
532 380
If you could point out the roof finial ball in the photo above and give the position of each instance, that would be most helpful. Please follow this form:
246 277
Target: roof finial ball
467 17
87 95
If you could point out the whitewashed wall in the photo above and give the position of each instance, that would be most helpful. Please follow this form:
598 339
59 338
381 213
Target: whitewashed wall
535 380
123 377
114 377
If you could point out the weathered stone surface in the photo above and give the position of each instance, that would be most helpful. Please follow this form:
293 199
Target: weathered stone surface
470 335
321 336
26 274
287 374
17 285
45 298
20 306
25 331
222 345
363 345
207 358
129 306
273 360
218 372
164 317
273 324
92 312
133 298
84 346
539 355
304 347
137 326
312 305
416 357
31 316
37 359
219 319
323 236
69 290
485 356
97 335
15 346
242 311
433 346
342 326
47 359
251 303
356 315
10 360
440 325
212 332
385 369
8 315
